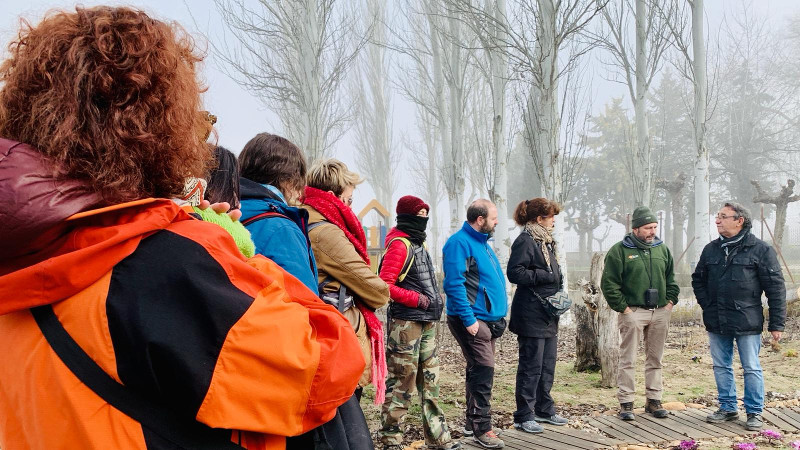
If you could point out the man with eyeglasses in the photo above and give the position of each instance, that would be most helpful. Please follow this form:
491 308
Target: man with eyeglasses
639 283
728 281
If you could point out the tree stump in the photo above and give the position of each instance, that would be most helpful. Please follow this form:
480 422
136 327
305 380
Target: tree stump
597 334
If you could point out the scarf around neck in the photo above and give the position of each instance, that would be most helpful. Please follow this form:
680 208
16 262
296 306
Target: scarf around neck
413 226
339 214
640 244
544 237
732 242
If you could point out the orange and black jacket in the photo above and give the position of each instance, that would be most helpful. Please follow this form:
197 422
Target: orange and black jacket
164 304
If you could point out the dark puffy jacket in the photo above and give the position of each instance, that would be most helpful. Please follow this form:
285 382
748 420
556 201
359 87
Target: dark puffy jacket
729 288
420 279
528 270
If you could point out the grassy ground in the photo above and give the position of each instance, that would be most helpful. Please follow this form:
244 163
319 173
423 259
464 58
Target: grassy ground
688 377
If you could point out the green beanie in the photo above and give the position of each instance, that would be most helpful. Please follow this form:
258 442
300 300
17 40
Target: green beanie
642 216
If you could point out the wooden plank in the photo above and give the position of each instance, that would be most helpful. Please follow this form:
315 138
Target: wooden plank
791 417
626 428
523 440
585 435
711 427
734 426
556 439
681 427
703 429
662 425
613 432
775 420
655 431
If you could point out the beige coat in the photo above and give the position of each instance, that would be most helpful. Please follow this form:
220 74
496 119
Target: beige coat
336 257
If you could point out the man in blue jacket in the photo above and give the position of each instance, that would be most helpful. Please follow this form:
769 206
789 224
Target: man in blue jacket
476 309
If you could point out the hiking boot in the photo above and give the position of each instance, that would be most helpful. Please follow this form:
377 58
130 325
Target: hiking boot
754 422
654 407
529 426
626 411
467 430
489 440
721 415
555 419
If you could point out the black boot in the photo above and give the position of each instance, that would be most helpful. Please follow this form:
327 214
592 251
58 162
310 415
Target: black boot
654 407
626 411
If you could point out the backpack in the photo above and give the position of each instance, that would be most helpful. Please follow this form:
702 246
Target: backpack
409 258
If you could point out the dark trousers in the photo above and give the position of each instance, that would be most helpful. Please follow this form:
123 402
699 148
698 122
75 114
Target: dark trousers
478 351
347 430
535 372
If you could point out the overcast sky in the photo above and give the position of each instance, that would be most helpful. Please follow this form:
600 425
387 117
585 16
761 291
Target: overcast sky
241 115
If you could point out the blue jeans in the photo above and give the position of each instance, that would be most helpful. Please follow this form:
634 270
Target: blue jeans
722 357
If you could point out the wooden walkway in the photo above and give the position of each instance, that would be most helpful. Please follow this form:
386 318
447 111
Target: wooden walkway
680 425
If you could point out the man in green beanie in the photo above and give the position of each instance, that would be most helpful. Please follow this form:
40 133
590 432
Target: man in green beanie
639 283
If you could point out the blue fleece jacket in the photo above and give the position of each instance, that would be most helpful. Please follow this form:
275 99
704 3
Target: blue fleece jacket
283 240
474 282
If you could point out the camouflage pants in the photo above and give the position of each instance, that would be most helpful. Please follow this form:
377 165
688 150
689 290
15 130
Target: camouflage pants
413 366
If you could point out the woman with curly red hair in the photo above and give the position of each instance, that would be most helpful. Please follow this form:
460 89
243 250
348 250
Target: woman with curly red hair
125 322
534 267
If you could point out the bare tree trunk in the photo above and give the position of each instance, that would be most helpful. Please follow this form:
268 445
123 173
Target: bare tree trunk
597 337
702 181
644 166
499 63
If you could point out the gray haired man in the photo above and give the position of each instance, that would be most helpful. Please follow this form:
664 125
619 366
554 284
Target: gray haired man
728 281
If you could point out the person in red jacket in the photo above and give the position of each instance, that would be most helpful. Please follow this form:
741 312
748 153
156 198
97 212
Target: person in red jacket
413 314
125 322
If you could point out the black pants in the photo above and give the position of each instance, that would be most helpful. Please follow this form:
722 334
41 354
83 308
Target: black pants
478 351
535 372
347 430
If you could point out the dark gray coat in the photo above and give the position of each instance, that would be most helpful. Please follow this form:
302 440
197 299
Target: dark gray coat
528 270
729 288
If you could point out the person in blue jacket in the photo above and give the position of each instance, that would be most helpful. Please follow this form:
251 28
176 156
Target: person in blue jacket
273 174
477 304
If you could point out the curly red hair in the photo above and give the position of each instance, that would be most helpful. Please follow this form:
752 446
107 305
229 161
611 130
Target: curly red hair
110 96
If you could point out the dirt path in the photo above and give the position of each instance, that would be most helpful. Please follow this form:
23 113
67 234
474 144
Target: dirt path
688 378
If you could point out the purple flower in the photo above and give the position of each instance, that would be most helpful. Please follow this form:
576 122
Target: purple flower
688 445
772 435
794 445
745 446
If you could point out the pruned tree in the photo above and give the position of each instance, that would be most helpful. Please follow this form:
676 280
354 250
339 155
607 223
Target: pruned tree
781 201
377 155
635 65
294 56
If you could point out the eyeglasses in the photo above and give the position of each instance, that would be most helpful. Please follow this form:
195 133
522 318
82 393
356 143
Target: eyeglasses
723 217
347 201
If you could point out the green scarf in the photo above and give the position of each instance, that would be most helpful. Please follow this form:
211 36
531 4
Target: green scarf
639 243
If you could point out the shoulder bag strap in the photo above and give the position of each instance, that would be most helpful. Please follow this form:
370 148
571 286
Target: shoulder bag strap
158 418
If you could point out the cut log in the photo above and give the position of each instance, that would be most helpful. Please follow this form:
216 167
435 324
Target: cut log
597 336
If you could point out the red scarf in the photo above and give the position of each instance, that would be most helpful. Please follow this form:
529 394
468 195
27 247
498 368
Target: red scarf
343 217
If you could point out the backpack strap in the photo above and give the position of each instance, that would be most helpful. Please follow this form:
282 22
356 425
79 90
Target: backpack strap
409 257
311 226
184 433
264 215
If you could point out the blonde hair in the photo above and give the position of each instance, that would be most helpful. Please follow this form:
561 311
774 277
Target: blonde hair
331 175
